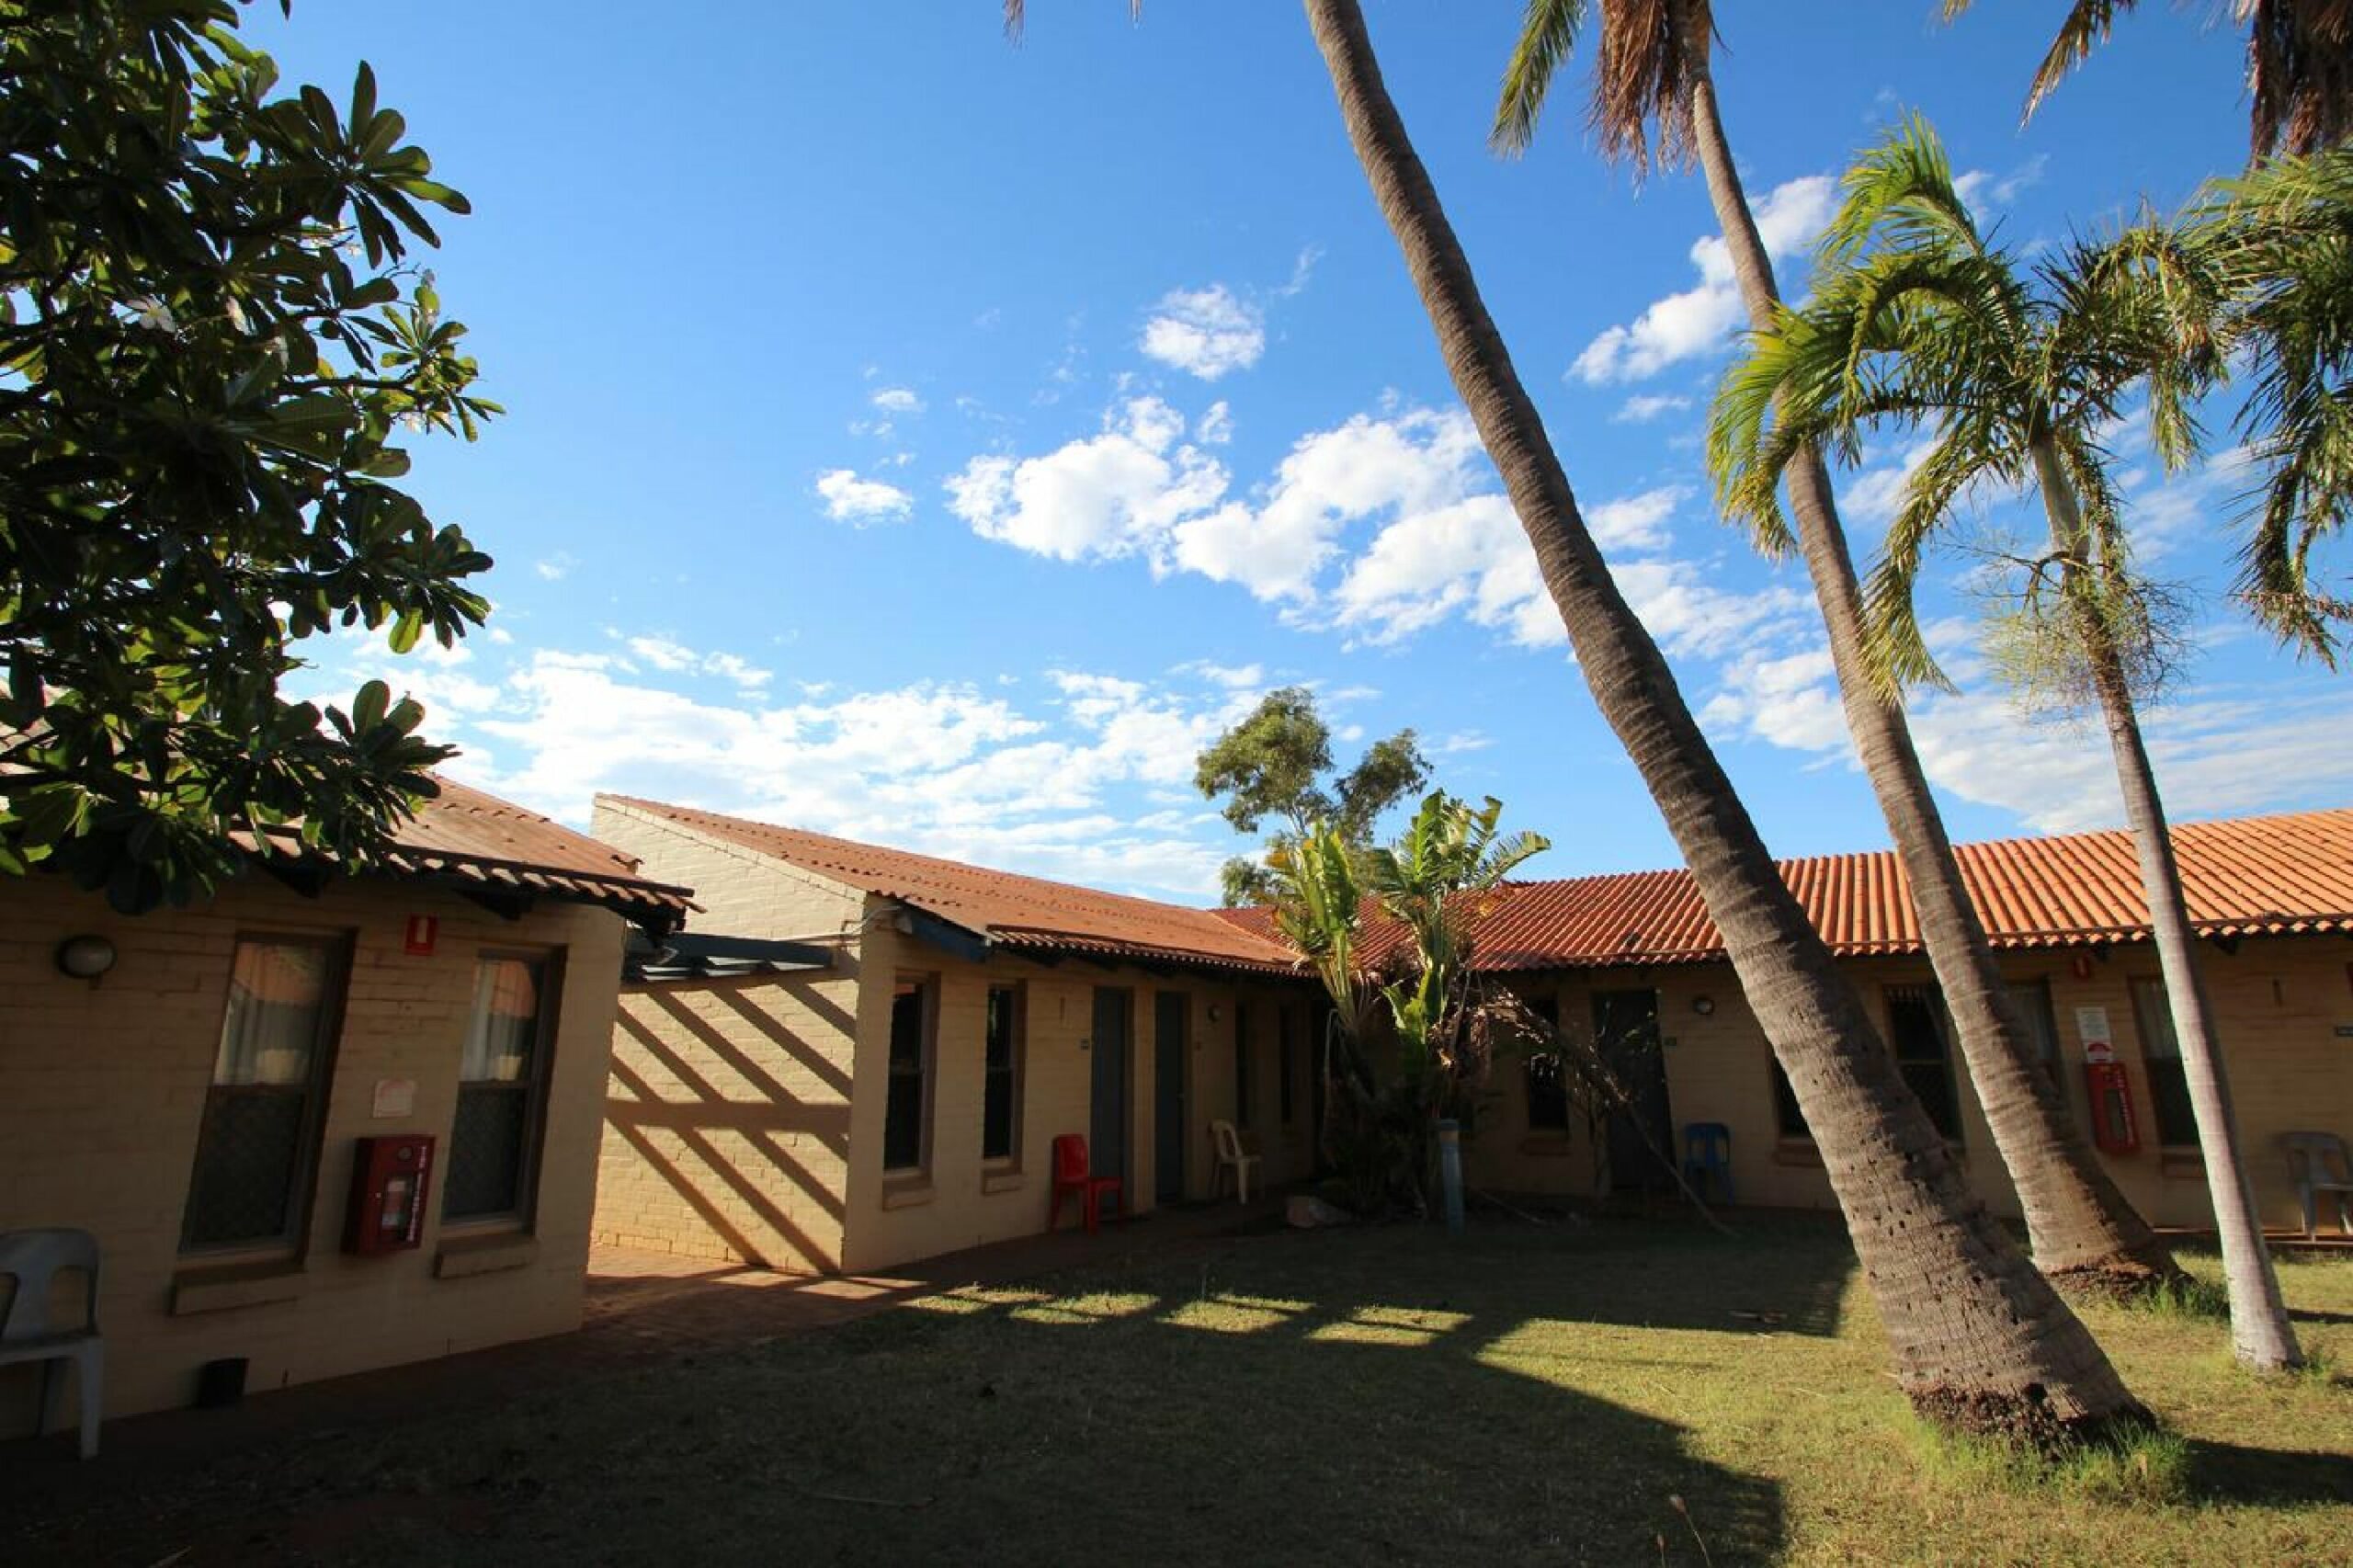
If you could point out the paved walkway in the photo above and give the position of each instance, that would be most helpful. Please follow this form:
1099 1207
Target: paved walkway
641 1309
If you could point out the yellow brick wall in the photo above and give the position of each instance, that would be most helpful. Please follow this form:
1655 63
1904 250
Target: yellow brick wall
105 1086
2279 1000
727 1119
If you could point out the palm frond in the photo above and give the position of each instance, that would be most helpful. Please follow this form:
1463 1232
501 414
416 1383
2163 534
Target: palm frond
1894 649
1900 193
1548 35
2087 24
1650 53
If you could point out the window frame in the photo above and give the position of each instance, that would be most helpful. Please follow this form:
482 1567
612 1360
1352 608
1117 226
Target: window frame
927 1073
1548 1008
1014 1071
546 1026
309 1140
2147 995
1940 1021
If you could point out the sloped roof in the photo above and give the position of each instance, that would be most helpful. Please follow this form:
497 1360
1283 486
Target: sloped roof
2249 876
1011 911
477 840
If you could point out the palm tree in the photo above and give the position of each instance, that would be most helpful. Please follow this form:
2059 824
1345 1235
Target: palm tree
1976 1333
1915 319
2299 67
1652 67
2277 250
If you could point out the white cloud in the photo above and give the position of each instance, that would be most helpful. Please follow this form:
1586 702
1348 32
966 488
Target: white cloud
1643 407
1090 783
1635 522
1205 331
1982 190
555 568
898 400
1215 427
1701 320
1109 494
849 499
672 657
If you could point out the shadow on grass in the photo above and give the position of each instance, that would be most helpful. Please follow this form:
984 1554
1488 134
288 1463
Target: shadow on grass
2229 1472
1285 1402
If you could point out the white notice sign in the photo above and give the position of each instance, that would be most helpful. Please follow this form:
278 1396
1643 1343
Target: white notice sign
394 1097
2091 1027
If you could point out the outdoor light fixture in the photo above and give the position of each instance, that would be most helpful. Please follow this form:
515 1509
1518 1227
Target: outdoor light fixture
1703 1005
85 958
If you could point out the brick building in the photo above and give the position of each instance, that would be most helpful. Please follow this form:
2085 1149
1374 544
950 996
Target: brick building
197 1105
888 1088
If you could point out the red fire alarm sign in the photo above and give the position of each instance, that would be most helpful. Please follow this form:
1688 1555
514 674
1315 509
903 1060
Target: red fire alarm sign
422 929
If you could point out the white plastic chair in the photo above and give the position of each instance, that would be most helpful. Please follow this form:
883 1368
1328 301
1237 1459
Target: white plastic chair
31 1260
1231 1154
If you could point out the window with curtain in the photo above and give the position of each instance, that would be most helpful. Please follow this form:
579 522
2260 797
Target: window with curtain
904 1145
2161 1059
1001 1089
1787 1120
2032 999
491 1171
256 1149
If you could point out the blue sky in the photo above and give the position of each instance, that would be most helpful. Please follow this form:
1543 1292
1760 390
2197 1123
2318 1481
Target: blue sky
935 441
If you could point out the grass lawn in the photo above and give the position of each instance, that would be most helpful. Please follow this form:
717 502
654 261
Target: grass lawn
1525 1394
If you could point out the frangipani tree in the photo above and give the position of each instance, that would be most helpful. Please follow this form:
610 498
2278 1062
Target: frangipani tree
1917 319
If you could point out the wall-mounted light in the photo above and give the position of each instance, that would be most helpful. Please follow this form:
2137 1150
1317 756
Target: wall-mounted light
1213 1014
86 957
1703 1005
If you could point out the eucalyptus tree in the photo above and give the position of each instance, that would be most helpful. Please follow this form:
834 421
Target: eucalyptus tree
2298 66
1916 319
1653 98
1275 763
213 333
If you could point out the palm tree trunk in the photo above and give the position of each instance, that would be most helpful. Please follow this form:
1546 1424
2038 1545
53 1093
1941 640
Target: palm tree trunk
2259 1328
2082 1230
1979 1337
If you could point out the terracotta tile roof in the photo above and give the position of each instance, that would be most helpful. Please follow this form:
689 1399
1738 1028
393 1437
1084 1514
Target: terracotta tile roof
1011 911
2251 876
476 839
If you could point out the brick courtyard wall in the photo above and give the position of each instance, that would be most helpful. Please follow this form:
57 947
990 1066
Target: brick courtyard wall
105 1087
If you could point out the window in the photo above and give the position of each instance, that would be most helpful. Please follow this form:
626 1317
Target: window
1917 1031
1787 1120
904 1117
1001 1071
257 1148
502 1077
1241 1064
2161 1059
2032 999
1548 1088
1286 1020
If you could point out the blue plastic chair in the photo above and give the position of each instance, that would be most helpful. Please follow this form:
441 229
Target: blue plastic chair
1707 1157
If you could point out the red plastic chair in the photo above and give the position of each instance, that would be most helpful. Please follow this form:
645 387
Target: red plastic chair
1072 1180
